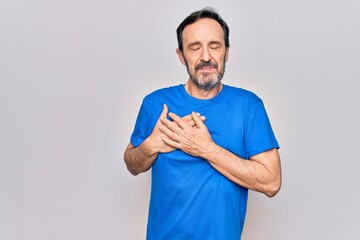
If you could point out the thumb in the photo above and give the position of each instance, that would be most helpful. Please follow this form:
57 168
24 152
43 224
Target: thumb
164 112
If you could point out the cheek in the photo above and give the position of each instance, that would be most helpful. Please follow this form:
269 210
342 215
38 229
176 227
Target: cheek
191 65
220 57
192 58
221 61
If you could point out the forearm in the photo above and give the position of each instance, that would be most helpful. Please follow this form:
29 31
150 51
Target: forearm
252 174
139 159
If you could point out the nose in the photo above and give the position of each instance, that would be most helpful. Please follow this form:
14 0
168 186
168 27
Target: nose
205 55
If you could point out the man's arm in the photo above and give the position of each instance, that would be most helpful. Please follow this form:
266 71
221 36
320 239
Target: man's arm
261 173
140 159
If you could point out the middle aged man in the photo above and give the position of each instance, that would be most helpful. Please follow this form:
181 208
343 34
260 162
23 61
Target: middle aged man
207 143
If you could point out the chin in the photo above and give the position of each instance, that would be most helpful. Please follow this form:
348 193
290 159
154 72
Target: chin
207 85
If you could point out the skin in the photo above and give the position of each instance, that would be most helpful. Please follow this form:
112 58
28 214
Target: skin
203 41
140 159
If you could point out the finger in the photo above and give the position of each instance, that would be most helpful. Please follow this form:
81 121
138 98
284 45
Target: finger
198 120
187 118
180 122
169 125
170 142
192 122
201 117
170 129
164 111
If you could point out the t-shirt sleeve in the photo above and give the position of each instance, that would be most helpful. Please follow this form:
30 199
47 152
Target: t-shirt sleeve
140 132
259 134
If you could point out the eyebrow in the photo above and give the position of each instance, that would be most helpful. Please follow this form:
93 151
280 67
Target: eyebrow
215 42
198 43
193 44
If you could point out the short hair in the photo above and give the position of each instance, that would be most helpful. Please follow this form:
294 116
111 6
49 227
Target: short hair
203 13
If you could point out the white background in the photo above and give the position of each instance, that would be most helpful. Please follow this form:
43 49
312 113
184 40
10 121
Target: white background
73 74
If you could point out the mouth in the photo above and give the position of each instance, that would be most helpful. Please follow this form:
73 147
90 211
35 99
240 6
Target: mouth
206 69
206 66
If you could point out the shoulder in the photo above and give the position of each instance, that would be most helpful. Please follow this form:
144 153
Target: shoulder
242 95
156 99
163 93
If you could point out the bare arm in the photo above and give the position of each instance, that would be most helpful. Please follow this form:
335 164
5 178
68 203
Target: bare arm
261 173
140 159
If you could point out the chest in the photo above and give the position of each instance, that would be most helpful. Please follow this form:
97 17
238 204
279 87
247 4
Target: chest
226 124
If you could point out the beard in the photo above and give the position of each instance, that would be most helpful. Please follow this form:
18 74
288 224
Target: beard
206 81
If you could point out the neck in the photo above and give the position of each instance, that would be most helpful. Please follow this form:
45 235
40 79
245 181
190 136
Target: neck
196 92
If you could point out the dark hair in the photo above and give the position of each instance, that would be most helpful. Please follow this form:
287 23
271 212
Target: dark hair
203 13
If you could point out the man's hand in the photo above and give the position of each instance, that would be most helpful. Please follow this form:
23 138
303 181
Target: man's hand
157 137
140 159
261 173
194 140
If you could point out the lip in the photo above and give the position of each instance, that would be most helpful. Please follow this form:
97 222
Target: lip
206 68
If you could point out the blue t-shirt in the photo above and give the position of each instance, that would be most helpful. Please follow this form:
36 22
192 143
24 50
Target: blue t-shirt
189 198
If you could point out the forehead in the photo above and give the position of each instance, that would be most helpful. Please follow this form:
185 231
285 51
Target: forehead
203 30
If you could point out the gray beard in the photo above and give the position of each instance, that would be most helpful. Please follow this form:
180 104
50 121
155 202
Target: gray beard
206 86
209 85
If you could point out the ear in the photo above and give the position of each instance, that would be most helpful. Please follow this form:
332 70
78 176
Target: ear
227 54
181 56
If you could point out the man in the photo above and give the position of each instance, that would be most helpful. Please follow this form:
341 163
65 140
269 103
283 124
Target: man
207 143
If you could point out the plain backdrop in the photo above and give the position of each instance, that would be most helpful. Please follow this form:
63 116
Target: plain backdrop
73 74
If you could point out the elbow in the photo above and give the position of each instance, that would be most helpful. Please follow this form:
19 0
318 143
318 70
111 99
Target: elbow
272 192
132 169
134 164
130 166
135 171
273 188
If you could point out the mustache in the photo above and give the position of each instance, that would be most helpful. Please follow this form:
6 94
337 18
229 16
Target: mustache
206 64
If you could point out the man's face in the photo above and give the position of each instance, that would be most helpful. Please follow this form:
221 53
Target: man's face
204 52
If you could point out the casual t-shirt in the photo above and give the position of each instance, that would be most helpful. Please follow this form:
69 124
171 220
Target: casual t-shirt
189 198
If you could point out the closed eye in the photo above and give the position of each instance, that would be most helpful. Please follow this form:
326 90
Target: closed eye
194 49
215 46
195 46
